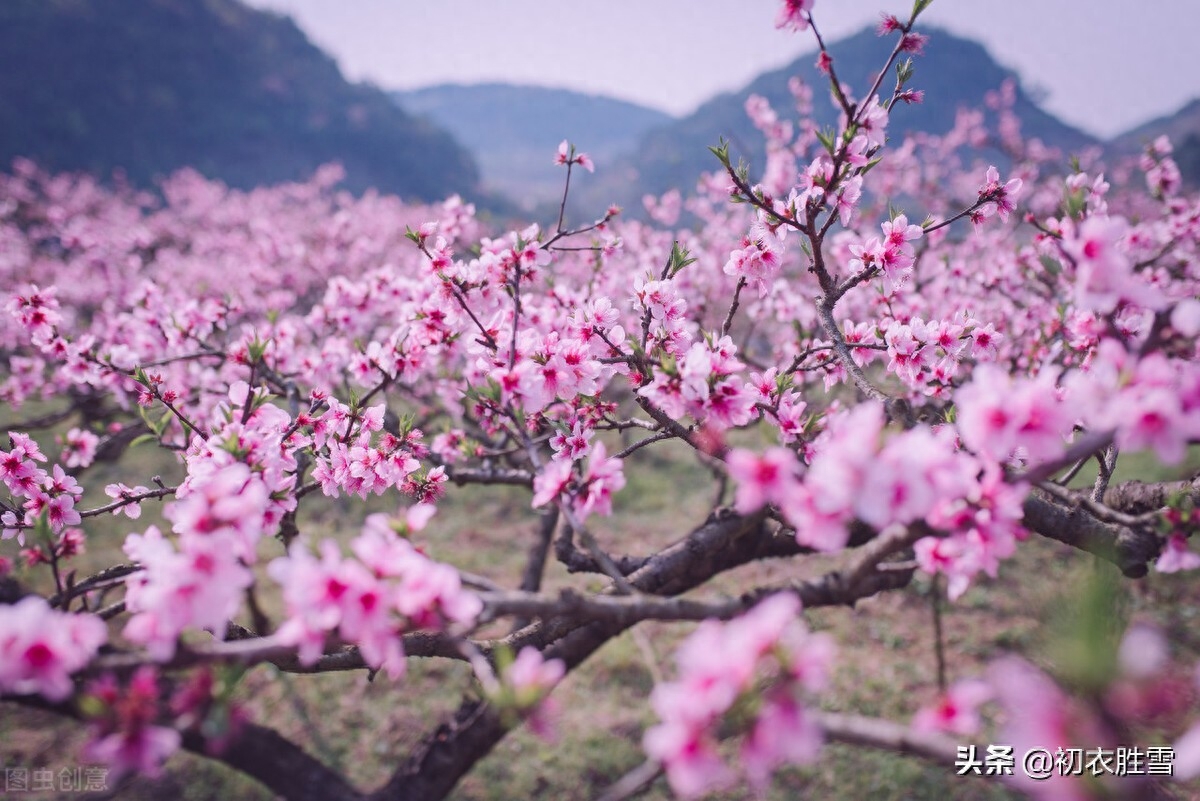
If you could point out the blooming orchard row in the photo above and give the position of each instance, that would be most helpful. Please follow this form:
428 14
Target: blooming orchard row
930 384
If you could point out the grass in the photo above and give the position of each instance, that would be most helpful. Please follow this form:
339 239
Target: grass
886 663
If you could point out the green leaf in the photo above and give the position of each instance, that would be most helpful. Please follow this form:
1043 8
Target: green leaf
256 349
1075 203
1052 265
679 258
141 439
41 529
743 172
91 706
826 139
721 151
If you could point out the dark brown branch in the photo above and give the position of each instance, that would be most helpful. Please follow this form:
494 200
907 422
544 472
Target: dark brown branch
722 543
577 561
733 307
288 770
467 475
125 500
633 783
244 647
260 752
536 566
884 734
1139 497
1126 548
896 408
104 578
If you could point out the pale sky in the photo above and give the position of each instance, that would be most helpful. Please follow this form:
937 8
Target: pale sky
1103 65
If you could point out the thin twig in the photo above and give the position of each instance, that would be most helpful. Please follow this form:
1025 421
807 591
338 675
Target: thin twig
939 641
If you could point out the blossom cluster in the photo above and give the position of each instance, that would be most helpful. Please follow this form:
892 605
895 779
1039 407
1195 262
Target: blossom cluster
49 495
915 476
41 647
721 669
388 588
1143 688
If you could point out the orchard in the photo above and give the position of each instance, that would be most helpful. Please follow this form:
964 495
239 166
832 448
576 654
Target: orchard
870 367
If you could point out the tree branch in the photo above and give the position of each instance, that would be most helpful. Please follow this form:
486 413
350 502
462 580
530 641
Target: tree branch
887 735
1140 497
1126 548
260 752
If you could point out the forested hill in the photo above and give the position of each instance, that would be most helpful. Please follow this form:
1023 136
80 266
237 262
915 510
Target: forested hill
514 130
1183 128
954 72
149 86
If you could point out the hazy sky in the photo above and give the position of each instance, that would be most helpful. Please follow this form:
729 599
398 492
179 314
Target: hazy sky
1104 65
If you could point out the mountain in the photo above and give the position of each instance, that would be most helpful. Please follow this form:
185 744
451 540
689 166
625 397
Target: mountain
1183 127
954 72
1179 126
513 131
148 86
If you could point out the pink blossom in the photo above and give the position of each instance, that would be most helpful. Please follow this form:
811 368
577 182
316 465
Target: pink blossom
872 120
847 200
370 600
37 310
998 197
913 43
79 448
419 515
550 482
1185 317
794 14
40 647
120 492
950 556
18 472
525 685
1144 652
197 584
141 751
229 503
784 733
573 445
692 763
1038 714
956 711
888 23
567 155
604 477
761 480
757 261
998 417
719 663
1176 556
531 672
